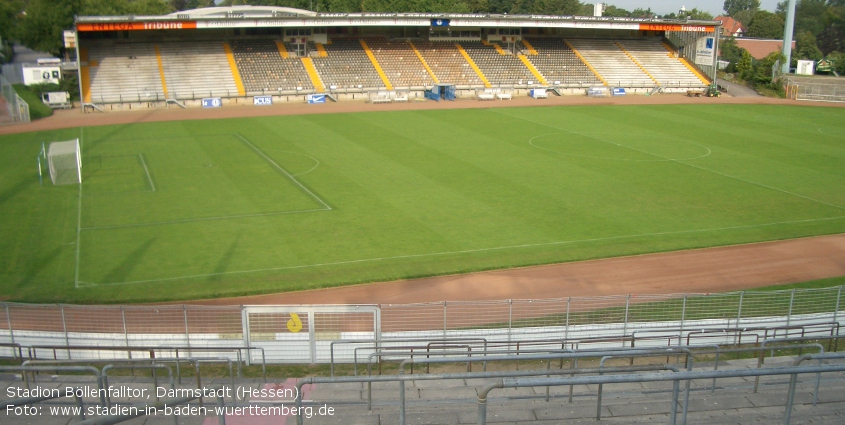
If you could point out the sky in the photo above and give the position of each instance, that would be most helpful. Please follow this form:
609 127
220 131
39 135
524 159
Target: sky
667 6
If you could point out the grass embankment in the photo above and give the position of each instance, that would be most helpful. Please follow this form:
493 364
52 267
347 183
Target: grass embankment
37 108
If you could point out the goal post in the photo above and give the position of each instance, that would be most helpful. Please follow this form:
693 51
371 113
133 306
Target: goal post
64 161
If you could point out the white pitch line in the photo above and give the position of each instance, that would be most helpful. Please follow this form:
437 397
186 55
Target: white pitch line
531 142
78 221
278 167
830 135
684 163
149 179
310 169
471 251
193 220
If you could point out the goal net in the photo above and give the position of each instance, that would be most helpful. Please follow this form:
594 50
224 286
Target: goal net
65 162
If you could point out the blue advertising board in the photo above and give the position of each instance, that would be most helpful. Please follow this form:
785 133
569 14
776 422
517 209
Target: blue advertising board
212 102
619 91
262 100
316 98
440 22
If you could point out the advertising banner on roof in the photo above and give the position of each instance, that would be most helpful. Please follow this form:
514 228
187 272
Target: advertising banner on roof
135 26
705 50
676 27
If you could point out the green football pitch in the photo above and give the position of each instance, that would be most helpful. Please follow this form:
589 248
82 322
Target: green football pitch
199 209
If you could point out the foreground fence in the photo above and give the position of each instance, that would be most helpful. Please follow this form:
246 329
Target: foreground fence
13 109
305 334
820 91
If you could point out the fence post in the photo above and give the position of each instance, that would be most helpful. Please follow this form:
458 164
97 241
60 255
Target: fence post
835 311
566 330
187 334
739 309
791 302
312 336
125 333
444 319
625 325
510 321
245 333
9 321
64 328
683 317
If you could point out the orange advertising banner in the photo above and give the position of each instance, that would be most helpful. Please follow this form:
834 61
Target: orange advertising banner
136 26
674 27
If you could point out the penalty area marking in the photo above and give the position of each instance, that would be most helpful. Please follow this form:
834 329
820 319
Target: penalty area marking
283 171
78 284
273 164
193 220
146 170
468 251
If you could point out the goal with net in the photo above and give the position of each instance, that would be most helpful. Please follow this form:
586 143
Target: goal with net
64 160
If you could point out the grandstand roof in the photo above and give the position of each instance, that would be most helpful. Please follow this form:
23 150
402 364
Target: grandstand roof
268 17
244 11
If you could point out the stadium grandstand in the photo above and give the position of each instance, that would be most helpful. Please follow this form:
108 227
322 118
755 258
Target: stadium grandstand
230 55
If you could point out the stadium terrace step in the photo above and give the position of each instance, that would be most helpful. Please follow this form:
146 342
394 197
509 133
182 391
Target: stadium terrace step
453 402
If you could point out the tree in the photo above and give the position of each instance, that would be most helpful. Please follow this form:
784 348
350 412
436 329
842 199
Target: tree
699 15
733 6
806 48
765 25
730 52
763 70
744 16
811 15
831 39
616 12
559 7
499 6
150 7
743 68
695 14
642 13
41 28
189 4
10 12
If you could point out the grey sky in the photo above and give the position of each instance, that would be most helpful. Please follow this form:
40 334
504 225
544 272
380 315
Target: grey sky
667 6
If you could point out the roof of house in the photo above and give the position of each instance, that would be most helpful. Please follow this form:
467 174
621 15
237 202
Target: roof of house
730 25
760 48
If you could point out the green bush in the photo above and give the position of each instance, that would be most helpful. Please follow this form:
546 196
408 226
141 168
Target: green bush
37 108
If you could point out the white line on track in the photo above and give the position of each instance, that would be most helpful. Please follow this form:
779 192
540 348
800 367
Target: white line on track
471 251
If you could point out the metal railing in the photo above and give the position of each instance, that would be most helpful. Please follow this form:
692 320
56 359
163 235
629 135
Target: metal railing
675 378
401 378
32 352
525 322
13 109
815 91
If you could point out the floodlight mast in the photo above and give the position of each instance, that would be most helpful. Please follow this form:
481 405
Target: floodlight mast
787 36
